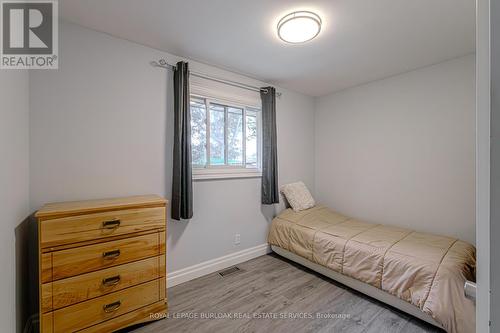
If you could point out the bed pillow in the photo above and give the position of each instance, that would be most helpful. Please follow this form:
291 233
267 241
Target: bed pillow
298 196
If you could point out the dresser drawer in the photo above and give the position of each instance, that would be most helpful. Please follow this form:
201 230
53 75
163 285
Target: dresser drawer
80 288
89 227
89 258
102 263
92 312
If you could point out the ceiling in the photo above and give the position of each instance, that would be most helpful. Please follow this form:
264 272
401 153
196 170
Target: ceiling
361 40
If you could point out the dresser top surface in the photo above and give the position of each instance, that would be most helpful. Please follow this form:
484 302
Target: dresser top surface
53 210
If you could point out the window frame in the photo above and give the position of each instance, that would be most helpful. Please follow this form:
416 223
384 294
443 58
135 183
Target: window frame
225 171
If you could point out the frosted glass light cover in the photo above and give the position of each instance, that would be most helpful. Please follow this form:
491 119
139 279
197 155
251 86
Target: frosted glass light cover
299 27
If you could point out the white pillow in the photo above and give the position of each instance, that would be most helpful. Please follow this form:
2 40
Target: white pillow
298 196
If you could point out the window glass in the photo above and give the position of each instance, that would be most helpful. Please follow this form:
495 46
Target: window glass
234 136
217 134
224 135
198 132
251 139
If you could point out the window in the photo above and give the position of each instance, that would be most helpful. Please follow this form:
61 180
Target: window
225 139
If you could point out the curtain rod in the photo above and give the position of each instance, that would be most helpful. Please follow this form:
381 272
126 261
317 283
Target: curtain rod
164 64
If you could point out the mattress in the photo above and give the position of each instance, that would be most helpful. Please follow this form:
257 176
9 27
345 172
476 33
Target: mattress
425 270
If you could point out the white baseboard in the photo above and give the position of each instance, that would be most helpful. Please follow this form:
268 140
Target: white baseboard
214 265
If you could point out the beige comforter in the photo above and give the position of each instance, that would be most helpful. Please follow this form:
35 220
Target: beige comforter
423 269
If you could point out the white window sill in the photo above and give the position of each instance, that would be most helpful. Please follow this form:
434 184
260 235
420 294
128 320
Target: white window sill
225 173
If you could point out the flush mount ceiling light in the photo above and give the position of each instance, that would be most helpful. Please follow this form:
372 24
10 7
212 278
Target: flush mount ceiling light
299 27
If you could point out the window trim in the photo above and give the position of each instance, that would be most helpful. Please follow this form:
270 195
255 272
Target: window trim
209 171
225 173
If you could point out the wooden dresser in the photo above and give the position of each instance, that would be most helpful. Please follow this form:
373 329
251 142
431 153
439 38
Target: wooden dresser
102 264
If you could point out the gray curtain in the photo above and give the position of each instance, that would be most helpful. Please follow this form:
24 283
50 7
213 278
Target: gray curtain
269 191
182 186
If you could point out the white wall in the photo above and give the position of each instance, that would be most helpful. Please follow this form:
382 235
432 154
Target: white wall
101 127
401 150
14 183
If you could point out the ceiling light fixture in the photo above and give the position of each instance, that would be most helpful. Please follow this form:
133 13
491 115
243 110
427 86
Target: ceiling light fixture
299 27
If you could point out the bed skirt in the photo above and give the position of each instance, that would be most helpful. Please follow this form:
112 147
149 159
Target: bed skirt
359 286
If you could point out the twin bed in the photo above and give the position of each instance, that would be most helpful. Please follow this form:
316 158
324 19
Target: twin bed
419 273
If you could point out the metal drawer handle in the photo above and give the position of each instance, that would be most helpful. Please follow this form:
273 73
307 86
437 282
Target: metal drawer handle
111 307
111 254
111 281
111 224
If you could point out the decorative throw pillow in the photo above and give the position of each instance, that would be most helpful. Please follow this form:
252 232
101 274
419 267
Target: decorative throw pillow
298 196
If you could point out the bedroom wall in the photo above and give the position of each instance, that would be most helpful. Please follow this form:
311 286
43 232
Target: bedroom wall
401 150
14 185
101 127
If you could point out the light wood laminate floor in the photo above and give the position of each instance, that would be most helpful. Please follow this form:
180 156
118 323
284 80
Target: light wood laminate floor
273 286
